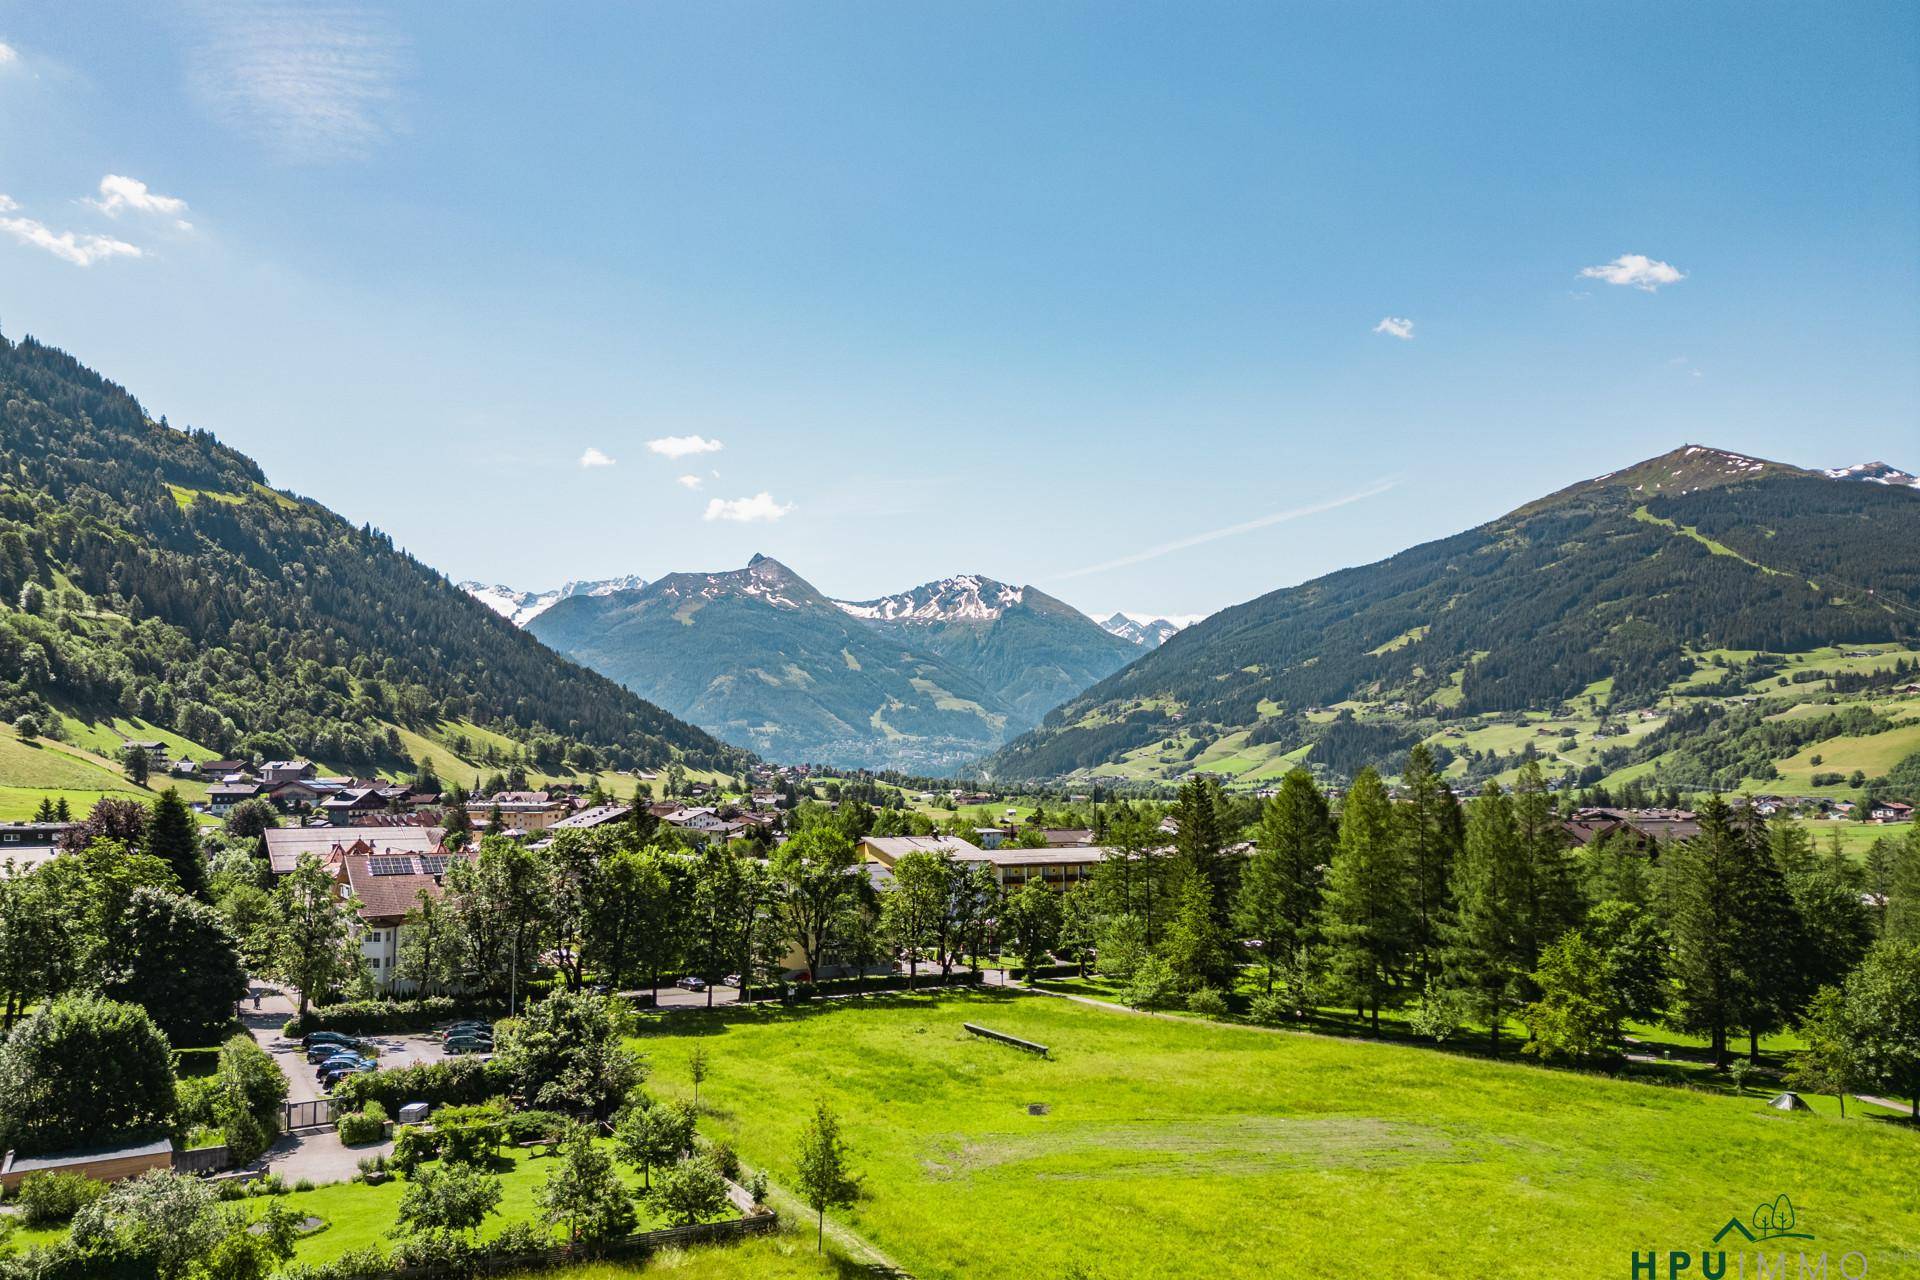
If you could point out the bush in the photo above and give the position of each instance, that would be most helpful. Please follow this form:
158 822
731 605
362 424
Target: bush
475 1144
363 1017
369 1263
721 1155
358 1128
50 1198
84 1072
1208 1003
532 1126
271 1185
1270 1008
1151 986
567 1053
463 1080
413 1147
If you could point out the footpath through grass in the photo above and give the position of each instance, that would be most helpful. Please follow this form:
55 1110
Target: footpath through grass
1182 1149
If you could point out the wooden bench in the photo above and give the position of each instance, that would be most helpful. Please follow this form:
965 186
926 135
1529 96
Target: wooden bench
1004 1038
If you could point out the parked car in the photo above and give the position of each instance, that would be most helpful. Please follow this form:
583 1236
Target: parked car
329 1079
313 1038
329 1049
731 980
467 1028
470 1044
691 983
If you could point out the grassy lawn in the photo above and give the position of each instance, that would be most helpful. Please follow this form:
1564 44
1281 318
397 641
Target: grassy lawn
1182 1149
777 1257
359 1215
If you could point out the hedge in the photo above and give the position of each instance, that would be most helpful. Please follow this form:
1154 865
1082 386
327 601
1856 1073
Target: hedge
462 1080
928 980
369 1017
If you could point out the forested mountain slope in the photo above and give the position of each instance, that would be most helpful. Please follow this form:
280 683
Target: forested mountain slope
151 573
1602 596
761 657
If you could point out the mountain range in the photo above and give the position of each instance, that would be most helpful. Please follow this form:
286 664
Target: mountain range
151 581
1143 629
522 607
928 680
1611 596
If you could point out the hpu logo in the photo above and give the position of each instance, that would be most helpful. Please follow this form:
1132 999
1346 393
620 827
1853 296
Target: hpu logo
1771 1223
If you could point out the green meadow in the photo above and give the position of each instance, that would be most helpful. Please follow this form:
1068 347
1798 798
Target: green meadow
1176 1148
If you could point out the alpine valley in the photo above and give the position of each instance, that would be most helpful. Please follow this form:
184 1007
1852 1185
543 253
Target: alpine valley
929 680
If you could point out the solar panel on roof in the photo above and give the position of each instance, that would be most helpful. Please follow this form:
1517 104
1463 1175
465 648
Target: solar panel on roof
385 865
434 864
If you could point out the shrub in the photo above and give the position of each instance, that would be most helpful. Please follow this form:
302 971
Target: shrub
1208 1003
413 1147
84 1072
305 1184
362 1017
688 1192
358 1128
463 1080
475 1144
369 1263
1270 1008
49 1198
271 1185
532 1126
721 1155
1151 986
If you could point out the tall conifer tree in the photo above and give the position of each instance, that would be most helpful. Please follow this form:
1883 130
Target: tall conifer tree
1366 918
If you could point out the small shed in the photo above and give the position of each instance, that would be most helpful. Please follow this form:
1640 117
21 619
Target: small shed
414 1113
104 1164
1788 1101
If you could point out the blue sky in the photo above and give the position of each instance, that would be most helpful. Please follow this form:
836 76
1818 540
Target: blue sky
1054 293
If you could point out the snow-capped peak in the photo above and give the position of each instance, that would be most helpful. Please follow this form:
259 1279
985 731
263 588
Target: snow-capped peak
966 597
521 607
1146 629
1875 473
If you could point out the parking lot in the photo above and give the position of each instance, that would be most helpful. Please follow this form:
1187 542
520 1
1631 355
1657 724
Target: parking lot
304 1085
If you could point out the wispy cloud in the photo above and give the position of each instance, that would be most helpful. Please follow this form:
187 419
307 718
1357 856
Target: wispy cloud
118 192
1214 535
316 82
690 482
1637 270
683 446
80 250
8 55
1396 327
594 458
760 507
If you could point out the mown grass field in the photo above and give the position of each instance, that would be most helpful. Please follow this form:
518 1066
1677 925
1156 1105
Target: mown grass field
1172 1148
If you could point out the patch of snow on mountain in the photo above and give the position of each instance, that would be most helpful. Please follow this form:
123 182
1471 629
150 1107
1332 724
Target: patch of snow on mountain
1875 473
965 597
522 607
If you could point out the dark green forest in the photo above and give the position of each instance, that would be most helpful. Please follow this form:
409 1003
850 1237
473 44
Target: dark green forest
150 571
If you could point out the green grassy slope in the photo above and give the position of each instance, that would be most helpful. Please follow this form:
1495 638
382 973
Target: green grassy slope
1174 1149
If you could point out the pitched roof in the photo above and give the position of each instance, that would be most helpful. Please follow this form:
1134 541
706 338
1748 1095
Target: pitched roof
389 896
892 848
285 845
599 815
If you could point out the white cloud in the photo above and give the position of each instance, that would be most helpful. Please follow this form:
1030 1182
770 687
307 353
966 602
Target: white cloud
1396 327
760 507
690 482
683 446
118 192
8 54
80 250
314 82
594 458
1245 526
1635 269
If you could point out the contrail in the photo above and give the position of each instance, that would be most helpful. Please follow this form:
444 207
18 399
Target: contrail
1194 540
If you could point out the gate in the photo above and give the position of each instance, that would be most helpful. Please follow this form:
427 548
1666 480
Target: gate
307 1115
